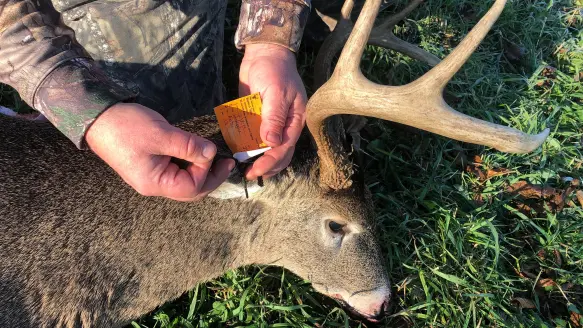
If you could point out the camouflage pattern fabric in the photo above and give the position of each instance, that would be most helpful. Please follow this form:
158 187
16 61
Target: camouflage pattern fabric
73 59
39 56
276 22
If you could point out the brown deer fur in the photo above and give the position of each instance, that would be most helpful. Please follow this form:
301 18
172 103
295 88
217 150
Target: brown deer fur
80 248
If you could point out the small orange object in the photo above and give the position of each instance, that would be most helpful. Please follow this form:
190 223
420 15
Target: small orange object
240 121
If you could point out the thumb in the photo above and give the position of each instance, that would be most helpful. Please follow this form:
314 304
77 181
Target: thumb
184 184
187 146
273 118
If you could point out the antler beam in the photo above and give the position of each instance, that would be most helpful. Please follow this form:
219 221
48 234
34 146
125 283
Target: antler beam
419 103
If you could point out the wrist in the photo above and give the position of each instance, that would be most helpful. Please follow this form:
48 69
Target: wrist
96 128
257 50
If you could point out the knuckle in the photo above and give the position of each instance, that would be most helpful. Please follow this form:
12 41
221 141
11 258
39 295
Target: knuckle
298 118
192 146
185 144
277 119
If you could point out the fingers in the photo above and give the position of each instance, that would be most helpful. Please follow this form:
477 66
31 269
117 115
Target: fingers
296 119
198 179
188 185
217 175
280 156
272 162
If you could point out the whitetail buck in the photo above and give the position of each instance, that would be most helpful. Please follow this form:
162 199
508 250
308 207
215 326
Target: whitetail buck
80 248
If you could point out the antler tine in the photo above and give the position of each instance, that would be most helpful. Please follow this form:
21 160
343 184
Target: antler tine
347 9
440 75
388 40
332 45
419 104
354 48
382 36
391 21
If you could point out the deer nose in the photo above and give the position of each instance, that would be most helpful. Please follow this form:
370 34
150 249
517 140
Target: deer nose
378 309
372 304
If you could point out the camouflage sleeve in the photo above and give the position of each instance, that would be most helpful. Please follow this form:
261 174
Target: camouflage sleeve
40 58
280 22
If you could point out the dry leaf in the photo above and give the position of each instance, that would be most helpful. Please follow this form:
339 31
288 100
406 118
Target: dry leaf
549 73
555 198
580 197
497 172
546 282
523 303
531 191
575 319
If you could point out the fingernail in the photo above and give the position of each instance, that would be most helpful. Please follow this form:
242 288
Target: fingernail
208 150
274 137
231 165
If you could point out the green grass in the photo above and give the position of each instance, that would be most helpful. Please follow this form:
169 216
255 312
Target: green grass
460 249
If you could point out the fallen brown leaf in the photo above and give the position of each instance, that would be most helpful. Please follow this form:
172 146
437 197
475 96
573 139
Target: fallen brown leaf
549 73
497 172
523 303
546 282
531 191
580 197
555 198
575 319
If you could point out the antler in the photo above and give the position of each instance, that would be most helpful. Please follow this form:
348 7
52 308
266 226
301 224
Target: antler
381 36
419 103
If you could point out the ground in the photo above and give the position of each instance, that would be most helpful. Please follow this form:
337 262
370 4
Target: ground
473 237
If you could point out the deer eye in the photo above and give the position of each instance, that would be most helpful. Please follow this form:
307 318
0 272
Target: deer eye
335 227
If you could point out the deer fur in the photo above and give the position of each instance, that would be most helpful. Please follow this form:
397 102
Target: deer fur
80 248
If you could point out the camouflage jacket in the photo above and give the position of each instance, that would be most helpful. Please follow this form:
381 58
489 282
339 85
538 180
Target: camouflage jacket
54 74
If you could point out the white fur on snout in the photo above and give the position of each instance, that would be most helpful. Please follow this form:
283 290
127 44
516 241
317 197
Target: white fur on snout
7 111
369 303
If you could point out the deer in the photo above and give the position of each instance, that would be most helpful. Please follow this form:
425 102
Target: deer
81 248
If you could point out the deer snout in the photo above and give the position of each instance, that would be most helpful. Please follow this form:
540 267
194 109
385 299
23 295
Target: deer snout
371 304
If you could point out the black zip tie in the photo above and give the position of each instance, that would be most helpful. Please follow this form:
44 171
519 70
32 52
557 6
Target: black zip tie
242 167
245 187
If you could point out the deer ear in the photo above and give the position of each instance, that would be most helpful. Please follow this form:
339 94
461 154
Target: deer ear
353 124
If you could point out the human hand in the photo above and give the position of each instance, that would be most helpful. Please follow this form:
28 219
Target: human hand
138 144
271 71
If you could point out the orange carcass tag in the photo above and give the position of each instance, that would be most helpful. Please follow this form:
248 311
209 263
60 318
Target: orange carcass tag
240 121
